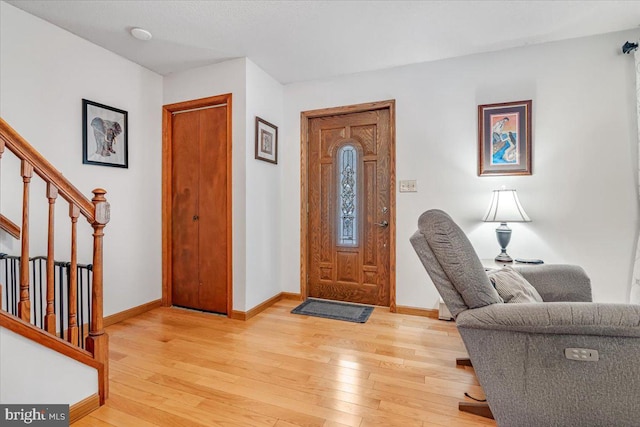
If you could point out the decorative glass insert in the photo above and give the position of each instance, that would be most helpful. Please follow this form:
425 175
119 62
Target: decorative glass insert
347 196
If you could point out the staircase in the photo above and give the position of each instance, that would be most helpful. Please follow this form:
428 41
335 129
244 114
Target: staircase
57 304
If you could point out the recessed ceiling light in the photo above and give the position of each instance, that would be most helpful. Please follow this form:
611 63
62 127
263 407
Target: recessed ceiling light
141 34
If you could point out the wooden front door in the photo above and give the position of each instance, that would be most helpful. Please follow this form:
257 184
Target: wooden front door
199 245
350 207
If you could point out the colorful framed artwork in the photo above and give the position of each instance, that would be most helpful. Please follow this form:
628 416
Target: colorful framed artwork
105 138
266 141
504 139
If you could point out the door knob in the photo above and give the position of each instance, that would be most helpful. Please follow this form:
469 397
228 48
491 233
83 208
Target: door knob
196 217
382 224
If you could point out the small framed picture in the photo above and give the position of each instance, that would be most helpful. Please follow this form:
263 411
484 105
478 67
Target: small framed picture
105 138
504 139
266 141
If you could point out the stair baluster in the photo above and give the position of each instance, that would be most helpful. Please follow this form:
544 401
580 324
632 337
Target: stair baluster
72 336
24 306
50 317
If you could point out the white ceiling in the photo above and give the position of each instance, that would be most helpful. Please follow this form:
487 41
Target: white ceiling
304 40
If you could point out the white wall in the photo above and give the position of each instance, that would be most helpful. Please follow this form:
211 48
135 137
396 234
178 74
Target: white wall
24 378
581 196
211 80
44 74
582 199
256 188
265 100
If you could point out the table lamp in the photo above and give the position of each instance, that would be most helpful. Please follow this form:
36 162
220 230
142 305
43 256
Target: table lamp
505 207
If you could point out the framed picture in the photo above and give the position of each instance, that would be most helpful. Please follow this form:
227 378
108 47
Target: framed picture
105 138
504 139
266 141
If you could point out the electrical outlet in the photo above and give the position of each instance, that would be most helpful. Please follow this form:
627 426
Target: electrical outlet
408 186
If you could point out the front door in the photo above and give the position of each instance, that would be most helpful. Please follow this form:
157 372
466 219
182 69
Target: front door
350 207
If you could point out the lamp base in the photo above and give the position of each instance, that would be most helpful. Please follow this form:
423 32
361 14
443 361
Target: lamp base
503 257
503 233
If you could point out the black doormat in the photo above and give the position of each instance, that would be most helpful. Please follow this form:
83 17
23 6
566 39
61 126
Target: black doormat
334 310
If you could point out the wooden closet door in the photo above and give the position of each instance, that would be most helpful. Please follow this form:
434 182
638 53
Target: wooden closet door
185 230
199 209
213 210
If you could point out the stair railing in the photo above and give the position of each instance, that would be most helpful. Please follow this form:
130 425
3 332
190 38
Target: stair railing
96 211
9 268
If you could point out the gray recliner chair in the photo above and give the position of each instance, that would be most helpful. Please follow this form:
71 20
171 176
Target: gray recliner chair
523 354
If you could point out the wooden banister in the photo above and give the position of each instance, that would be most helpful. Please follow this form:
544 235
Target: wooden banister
5 223
97 213
24 151
10 227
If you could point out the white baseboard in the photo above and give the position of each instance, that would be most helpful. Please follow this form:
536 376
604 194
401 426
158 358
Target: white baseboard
443 311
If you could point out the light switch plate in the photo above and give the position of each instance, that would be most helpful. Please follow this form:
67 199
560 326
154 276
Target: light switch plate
408 186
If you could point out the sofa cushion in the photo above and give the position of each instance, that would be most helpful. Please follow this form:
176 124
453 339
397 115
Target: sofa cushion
512 286
458 259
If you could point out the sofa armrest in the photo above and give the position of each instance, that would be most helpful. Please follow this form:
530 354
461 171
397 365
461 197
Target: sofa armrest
574 318
558 282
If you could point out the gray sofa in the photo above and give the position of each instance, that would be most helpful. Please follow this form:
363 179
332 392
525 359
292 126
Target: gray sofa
518 350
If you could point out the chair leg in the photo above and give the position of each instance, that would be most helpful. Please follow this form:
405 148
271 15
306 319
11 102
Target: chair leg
481 409
463 361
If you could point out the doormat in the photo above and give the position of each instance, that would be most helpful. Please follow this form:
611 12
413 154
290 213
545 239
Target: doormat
334 310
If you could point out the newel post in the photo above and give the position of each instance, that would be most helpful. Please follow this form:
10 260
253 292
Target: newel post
98 341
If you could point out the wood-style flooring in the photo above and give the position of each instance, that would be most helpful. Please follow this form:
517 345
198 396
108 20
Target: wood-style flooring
174 367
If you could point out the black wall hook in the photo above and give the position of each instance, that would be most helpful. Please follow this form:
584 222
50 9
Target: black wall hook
629 47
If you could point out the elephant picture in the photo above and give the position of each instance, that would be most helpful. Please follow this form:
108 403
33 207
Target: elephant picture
105 136
105 132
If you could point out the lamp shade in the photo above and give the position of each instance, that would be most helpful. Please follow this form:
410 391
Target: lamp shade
505 207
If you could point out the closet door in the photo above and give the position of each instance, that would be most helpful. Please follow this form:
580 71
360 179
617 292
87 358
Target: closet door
199 209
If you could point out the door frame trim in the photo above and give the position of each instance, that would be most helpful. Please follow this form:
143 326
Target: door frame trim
167 214
305 117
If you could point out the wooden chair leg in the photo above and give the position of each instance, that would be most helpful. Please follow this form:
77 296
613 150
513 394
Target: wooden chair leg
481 409
477 408
463 361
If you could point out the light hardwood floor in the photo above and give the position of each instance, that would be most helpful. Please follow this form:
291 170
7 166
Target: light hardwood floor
174 367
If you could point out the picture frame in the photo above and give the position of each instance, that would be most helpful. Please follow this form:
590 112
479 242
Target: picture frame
504 139
266 141
105 135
